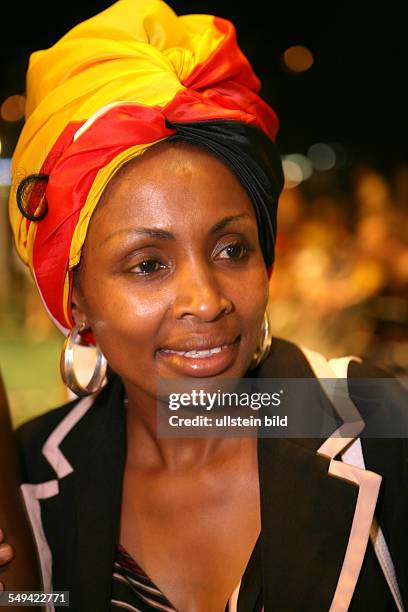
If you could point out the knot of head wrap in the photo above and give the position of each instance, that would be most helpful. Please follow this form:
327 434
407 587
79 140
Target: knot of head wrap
112 87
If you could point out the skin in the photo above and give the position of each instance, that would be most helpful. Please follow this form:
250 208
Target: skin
140 293
6 552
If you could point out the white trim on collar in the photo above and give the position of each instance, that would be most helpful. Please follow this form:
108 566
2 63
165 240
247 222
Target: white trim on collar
51 449
352 468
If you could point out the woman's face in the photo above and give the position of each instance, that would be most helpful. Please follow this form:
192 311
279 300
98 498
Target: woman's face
172 279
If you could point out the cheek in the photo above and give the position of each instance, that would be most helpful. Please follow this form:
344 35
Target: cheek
258 289
251 298
125 320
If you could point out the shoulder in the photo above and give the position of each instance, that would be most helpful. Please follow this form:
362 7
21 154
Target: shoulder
287 359
380 397
38 428
31 437
66 426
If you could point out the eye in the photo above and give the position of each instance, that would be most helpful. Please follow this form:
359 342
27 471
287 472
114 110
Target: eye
147 267
235 251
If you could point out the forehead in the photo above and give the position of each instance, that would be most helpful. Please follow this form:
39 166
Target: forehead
172 186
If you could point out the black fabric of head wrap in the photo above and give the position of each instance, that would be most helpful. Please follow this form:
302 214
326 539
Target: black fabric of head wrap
254 159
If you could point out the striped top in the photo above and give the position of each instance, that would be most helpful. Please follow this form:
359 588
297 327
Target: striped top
133 590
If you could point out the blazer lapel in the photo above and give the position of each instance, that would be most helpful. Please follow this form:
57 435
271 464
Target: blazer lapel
88 503
98 499
316 510
307 517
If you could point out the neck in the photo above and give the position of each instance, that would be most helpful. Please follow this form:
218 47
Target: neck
147 451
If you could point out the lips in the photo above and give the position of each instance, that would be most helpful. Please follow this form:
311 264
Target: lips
201 356
199 343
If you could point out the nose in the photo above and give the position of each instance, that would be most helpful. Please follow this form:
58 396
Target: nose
199 293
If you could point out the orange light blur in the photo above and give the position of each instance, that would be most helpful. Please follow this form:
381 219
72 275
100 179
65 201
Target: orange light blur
298 58
13 108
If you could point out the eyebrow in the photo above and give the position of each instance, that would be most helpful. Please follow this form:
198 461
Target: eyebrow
161 234
217 227
151 232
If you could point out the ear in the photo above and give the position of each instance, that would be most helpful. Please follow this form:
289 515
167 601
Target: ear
78 307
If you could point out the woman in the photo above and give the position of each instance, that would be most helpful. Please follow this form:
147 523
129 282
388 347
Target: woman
148 219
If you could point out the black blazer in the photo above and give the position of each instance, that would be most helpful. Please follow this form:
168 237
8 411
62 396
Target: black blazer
316 555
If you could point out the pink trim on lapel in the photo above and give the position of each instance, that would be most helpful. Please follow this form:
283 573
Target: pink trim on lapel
31 494
368 482
369 486
344 406
51 449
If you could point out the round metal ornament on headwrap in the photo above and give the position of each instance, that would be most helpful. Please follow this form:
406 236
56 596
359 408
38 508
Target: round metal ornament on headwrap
108 90
30 196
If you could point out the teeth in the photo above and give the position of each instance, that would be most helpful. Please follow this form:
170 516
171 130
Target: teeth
217 349
197 354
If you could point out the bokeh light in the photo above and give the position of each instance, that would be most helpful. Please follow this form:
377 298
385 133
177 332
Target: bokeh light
13 107
298 58
296 169
322 156
303 162
292 172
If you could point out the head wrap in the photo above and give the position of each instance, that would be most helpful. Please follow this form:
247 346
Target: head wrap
113 86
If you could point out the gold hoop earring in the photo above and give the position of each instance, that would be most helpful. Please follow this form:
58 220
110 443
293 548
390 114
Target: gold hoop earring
67 365
262 350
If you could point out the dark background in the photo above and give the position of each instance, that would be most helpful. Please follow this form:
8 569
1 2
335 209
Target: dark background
354 93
